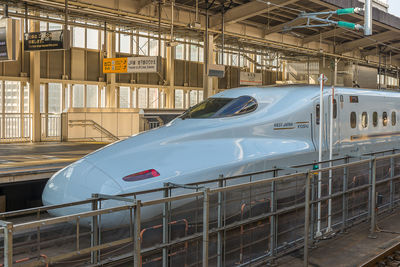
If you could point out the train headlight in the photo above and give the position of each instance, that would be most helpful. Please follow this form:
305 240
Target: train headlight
141 175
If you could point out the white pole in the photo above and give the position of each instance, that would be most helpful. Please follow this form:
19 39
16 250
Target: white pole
329 229
368 17
321 123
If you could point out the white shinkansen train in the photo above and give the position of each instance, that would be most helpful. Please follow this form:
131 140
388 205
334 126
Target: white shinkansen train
234 132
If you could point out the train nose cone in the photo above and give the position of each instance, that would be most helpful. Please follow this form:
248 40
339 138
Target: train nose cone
78 182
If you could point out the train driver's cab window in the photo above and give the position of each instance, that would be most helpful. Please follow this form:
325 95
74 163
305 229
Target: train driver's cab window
393 118
375 119
353 120
384 119
364 120
221 107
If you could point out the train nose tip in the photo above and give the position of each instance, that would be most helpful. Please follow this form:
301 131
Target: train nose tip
77 182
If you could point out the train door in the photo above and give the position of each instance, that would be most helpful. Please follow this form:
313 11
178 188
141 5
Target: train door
326 124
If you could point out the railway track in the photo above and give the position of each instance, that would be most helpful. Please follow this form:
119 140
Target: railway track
390 258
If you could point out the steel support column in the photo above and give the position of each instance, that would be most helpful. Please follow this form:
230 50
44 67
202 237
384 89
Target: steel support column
137 262
373 200
206 216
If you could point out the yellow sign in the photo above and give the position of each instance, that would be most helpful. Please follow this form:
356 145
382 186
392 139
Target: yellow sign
115 65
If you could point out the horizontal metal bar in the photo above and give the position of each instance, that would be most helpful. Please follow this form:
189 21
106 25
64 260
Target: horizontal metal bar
169 199
68 218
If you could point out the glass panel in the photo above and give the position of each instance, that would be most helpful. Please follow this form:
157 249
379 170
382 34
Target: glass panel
125 45
193 97
42 98
55 26
78 94
103 97
142 95
179 98
238 106
206 109
134 98
375 119
54 97
124 97
67 98
201 97
364 120
179 51
162 99
153 97
26 97
92 39
153 47
143 46
92 96
12 96
194 53
353 120
79 37
384 119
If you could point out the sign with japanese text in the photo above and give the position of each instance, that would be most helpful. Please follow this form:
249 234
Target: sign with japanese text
115 65
46 40
143 64
250 78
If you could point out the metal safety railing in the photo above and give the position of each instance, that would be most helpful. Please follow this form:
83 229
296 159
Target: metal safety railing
50 126
15 127
236 220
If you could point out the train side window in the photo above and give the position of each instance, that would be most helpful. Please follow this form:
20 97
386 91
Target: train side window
384 119
364 119
317 114
353 119
393 118
334 109
375 119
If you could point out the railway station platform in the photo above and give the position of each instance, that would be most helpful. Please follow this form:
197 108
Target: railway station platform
25 167
353 248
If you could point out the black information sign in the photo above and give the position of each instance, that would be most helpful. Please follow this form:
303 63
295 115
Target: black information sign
3 43
46 40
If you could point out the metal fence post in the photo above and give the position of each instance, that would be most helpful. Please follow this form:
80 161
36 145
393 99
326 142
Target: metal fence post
272 225
307 217
344 197
220 220
370 188
165 261
206 216
94 231
373 200
137 262
391 190
8 243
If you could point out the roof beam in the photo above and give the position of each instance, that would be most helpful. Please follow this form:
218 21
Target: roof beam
366 41
280 27
323 35
248 10
375 51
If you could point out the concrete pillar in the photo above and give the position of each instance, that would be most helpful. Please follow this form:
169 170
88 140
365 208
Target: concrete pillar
170 75
34 87
111 93
208 52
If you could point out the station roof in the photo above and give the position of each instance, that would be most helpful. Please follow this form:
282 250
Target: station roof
280 13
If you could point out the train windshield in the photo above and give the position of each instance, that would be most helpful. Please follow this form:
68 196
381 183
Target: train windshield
221 107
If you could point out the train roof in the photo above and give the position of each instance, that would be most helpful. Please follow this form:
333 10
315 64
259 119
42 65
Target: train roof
299 90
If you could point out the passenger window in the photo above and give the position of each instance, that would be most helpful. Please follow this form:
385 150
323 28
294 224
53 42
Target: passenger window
353 119
364 119
317 114
393 118
384 119
375 119
334 109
